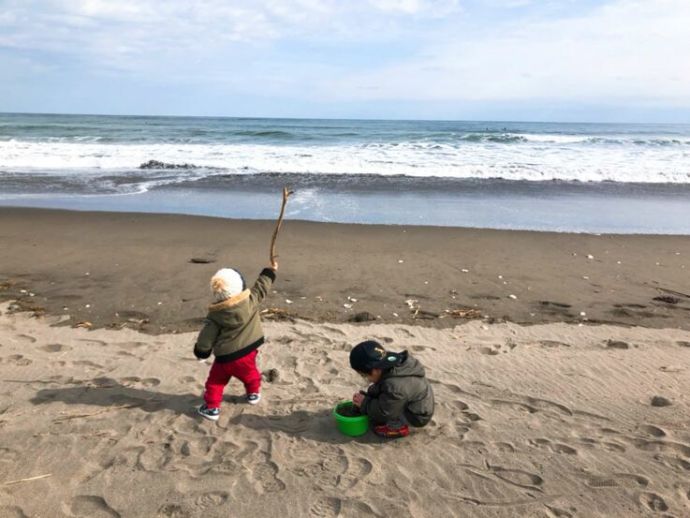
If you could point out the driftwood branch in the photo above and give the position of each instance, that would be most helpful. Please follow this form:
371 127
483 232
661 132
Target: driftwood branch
286 194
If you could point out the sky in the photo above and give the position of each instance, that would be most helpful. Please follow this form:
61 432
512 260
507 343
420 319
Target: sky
548 60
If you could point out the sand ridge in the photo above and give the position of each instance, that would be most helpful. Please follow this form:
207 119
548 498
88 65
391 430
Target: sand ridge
551 420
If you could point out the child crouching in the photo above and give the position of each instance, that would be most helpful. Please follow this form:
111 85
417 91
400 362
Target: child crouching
232 332
400 394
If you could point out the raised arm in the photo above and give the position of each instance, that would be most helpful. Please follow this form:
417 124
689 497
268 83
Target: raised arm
262 285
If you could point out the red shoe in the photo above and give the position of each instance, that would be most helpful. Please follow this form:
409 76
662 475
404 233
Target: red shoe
392 433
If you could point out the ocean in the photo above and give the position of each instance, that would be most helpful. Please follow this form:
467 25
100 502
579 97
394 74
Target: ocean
620 178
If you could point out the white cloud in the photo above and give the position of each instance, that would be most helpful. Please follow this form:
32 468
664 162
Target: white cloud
626 50
428 7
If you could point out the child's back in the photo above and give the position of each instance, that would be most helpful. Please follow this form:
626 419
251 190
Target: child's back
232 327
233 333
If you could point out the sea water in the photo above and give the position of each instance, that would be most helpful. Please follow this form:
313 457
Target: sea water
626 178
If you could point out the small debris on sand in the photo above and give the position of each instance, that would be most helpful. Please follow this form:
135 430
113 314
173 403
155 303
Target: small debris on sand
271 375
464 313
617 344
85 325
511 296
660 401
277 314
201 260
362 316
667 299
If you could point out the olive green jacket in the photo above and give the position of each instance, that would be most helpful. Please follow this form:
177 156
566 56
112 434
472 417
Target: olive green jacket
403 391
232 329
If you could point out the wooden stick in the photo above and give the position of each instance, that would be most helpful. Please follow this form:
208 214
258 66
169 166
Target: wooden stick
286 194
26 479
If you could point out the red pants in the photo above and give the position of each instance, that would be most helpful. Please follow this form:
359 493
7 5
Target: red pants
244 369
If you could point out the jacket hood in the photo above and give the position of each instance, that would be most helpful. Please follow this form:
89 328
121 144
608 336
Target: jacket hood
409 366
231 302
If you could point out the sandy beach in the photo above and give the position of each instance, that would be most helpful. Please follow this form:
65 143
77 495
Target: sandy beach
568 399
152 271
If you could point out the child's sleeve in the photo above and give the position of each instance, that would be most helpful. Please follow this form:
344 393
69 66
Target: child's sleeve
386 407
262 285
207 337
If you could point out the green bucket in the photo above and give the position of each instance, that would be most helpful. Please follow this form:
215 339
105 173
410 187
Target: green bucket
352 426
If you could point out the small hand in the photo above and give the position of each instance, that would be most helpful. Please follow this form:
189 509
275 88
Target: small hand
358 399
274 264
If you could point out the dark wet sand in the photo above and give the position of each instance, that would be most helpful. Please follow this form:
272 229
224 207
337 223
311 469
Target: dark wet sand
115 269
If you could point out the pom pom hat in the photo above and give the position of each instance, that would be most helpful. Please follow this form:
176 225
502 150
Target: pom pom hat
227 283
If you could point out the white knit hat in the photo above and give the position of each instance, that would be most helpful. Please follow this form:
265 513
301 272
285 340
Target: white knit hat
226 283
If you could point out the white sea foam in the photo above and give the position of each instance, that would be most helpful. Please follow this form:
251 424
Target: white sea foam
535 157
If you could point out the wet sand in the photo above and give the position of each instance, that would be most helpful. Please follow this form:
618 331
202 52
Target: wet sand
137 270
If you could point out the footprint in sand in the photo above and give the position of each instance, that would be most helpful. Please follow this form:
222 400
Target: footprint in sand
332 466
326 507
27 339
212 499
661 447
554 447
11 511
265 475
682 343
88 506
7 455
518 477
86 341
652 430
16 359
490 351
557 512
616 344
627 480
553 343
129 345
172 511
421 348
653 502
146 382
358 469
55 348
88 364
521 407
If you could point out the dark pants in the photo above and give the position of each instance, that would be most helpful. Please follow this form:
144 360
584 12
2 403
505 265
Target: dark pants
418 421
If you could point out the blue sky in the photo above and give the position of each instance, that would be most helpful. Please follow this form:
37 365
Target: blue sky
559 60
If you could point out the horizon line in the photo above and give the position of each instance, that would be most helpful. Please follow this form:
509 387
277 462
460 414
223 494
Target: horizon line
355 119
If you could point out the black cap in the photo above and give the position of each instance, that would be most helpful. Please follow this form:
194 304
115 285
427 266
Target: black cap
371 355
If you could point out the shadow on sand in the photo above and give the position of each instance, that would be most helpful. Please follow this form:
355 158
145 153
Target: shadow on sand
109 393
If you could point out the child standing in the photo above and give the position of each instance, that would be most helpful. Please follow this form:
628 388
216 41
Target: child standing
399 395
232 332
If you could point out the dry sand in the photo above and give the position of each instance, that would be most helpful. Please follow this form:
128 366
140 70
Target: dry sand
548 420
